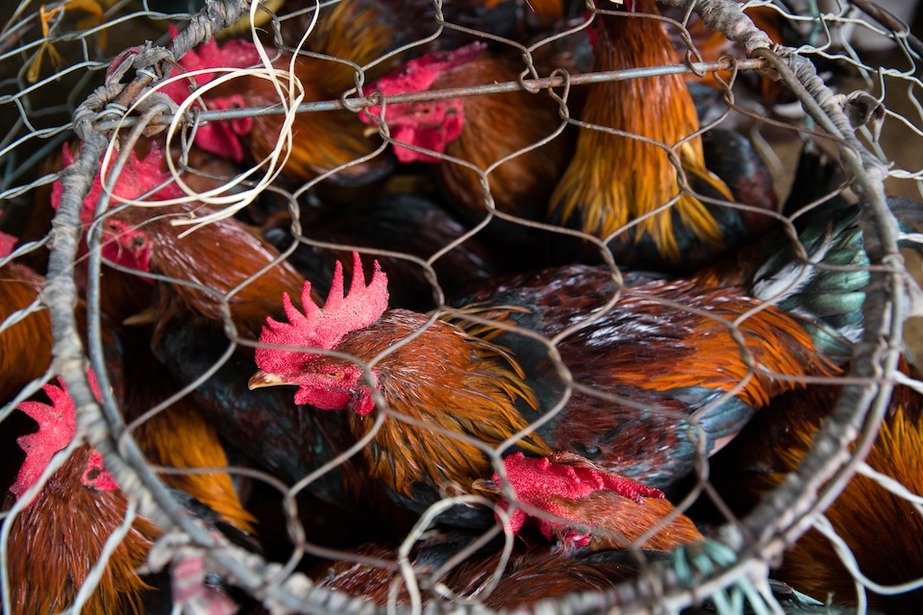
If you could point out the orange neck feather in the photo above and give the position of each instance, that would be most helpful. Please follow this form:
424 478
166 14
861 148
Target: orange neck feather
180 438
479 403
27 344
883 531
617 178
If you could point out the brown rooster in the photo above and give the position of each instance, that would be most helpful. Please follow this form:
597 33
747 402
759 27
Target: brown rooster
321 141
201 277
177 437
26 343
622 173
62 532
882 530
466 128
446 387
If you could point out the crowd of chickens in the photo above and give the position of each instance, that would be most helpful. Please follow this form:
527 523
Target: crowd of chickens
439 306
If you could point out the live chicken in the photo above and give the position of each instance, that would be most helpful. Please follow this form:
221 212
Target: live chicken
450 385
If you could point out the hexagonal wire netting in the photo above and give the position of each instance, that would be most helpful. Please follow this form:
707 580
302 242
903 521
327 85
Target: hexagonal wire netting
65 79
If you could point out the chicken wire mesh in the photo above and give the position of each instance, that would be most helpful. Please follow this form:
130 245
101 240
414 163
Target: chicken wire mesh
168 340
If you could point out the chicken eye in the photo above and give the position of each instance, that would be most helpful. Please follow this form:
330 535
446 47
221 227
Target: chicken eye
335 375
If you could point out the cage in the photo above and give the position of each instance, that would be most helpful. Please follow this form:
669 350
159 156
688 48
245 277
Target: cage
660 253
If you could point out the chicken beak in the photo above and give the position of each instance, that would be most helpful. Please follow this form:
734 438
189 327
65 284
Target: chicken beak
486 486
262 379
144 317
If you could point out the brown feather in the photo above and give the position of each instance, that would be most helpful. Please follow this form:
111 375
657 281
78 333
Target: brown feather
27 344
520 186
615 178
218 256
779 347
882 530
533 572
178 438
357 32
618 522
480 404
668 348
321 140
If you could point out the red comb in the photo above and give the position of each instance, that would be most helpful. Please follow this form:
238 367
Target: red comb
418 75
324 327
219 138
538 482
138 177
7 243
567 476
57 425
223 138
234 53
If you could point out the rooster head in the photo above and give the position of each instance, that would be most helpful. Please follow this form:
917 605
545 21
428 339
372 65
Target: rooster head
431 125
126 245
57 425
326 382
542 485
122 243
219 138
223 138
233 53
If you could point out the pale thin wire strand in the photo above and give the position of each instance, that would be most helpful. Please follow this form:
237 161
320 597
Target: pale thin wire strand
823 525
290 92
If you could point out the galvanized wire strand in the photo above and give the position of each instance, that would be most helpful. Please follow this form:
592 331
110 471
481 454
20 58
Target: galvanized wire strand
531 84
